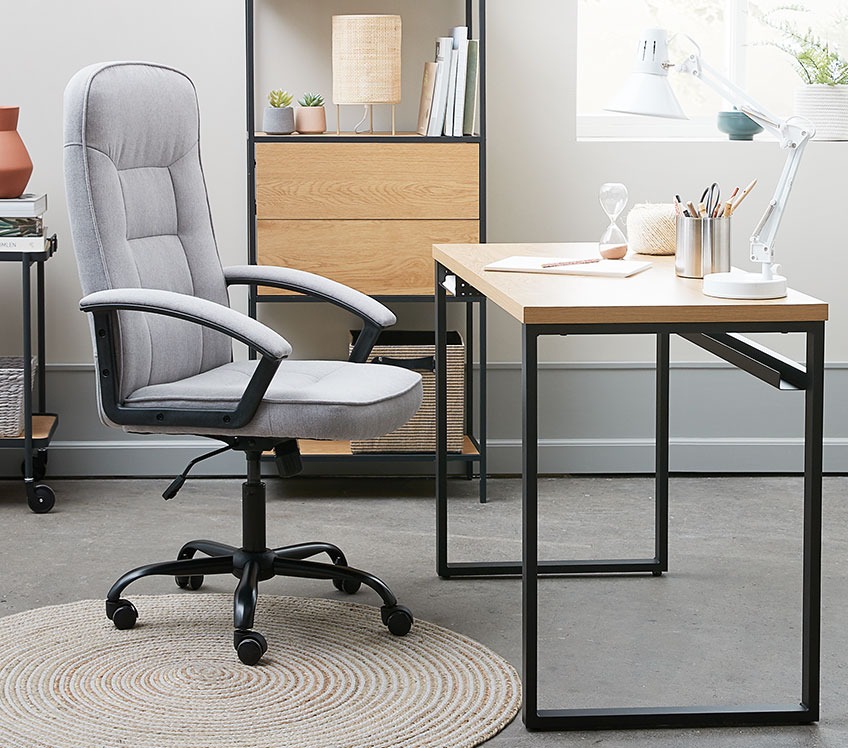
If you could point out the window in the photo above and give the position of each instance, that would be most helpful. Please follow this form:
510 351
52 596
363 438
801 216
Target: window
734 36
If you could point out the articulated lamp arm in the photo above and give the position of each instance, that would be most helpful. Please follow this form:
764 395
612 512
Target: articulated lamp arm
792 135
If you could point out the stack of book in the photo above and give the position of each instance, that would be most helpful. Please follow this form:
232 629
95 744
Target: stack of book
449 89
22 226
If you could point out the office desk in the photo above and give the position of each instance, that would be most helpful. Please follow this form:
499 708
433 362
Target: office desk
655 302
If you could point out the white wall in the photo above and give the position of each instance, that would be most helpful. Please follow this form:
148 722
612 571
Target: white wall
542 184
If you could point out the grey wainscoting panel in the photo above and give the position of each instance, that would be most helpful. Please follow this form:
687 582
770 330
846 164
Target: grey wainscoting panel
594 418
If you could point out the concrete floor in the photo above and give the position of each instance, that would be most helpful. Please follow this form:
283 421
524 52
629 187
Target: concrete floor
722 626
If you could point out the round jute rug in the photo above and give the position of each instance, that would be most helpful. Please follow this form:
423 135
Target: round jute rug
333 676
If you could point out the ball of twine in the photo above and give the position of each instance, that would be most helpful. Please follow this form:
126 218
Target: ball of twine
651 229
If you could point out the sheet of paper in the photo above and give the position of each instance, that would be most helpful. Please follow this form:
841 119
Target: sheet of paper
526 264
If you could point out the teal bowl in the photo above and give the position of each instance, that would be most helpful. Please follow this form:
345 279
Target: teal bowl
738 126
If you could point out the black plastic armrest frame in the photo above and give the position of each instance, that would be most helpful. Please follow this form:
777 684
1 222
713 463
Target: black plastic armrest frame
104 335
370 329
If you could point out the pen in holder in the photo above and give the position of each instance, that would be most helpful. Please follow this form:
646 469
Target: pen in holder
703 246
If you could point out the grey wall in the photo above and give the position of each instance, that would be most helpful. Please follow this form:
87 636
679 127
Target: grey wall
542 187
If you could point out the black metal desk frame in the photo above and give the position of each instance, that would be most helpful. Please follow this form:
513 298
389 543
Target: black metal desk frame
723 340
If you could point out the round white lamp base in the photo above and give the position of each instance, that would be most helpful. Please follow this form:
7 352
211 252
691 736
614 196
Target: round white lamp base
737 284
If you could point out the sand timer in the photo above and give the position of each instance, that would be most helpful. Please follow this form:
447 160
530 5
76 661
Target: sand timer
613 198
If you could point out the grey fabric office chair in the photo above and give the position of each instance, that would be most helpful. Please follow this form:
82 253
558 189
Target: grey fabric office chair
163 329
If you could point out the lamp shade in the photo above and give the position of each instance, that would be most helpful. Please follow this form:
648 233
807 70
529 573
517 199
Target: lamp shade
647 90
366 59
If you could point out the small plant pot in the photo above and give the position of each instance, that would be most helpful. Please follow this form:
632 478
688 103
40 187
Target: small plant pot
310 119
278 120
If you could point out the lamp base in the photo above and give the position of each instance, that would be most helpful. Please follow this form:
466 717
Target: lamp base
738 284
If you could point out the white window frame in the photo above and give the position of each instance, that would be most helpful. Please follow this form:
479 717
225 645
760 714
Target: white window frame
610 126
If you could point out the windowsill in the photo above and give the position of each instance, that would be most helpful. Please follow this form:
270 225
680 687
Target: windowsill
607 128
669 139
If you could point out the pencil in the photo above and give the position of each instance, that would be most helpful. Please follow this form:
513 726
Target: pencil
570 262
742 195
728 206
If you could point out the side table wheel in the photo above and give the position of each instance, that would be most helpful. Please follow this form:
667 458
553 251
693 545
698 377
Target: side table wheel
41 498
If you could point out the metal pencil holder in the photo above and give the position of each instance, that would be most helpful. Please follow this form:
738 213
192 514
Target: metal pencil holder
703 246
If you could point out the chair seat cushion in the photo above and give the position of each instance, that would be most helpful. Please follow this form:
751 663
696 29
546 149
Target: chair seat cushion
306 399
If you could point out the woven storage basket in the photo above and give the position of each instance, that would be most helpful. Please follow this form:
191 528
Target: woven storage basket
651 229
12 394
419 434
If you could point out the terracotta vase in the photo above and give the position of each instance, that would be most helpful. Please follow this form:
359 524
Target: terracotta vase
15 163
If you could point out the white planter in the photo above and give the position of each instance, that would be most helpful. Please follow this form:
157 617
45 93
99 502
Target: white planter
826 107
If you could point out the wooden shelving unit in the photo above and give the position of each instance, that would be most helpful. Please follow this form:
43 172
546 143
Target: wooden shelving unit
365 209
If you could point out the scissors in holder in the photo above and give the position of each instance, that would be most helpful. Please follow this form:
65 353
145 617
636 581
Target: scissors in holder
710 201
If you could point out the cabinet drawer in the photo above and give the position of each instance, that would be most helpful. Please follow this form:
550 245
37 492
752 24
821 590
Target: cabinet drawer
382 258
367 180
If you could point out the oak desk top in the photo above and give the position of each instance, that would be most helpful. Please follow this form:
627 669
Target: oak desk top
654 296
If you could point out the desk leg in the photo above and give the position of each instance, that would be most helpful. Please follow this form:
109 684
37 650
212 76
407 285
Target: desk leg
441 425
661 447
530 523
484 389
813 434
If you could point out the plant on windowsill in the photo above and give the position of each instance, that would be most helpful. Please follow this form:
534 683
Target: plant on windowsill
823 99
278 118
310 117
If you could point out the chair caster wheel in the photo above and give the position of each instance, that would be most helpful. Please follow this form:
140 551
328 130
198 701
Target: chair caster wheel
122 613
348 586
250 646
189 583
398 619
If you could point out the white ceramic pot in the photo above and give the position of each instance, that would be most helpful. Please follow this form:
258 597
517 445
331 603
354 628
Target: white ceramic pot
826 107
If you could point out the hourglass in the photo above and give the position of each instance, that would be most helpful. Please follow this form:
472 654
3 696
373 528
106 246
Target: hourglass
613 198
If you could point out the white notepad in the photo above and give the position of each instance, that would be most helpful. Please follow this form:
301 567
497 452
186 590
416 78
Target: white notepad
611 268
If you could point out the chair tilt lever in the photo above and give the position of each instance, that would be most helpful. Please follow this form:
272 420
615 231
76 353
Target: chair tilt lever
178 482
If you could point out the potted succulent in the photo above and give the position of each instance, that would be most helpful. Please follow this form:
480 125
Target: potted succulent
310 116
823 99
278 118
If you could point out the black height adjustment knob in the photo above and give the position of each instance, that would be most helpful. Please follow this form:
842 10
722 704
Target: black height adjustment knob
287 458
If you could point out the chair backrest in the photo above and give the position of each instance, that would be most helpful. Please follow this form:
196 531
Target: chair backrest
139 211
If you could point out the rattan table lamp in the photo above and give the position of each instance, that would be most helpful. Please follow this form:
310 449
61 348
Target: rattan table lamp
366 63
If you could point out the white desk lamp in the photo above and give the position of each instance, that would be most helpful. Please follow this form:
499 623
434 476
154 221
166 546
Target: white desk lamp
648 92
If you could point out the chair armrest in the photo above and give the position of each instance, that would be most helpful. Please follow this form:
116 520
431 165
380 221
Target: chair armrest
354 301
200 311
